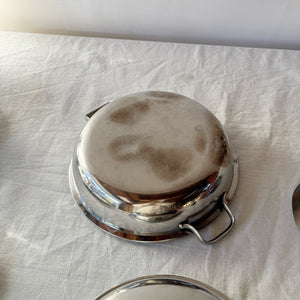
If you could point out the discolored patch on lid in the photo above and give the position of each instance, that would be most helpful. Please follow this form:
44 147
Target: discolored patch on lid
200 143
164 101
130 114
125 147
168 164
220 154
164 95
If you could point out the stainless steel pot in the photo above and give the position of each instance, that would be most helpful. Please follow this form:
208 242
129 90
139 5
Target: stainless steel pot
162 287
153 166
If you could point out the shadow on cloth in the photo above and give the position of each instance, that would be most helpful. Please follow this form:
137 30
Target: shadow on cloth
4 128
3 282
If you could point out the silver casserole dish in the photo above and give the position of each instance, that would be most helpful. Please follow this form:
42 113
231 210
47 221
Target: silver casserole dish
162 287
153 166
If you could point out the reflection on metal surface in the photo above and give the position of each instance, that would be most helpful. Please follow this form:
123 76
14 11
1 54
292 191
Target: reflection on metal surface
296 205
162 287
150 162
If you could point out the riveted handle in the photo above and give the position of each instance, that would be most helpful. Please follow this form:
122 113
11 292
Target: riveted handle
220 235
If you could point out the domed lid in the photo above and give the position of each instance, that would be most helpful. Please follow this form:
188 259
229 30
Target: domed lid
163 287
152 143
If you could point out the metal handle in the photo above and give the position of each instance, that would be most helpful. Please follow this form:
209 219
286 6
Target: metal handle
219 236
90 114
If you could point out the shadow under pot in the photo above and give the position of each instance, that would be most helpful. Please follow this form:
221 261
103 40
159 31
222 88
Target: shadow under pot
154 166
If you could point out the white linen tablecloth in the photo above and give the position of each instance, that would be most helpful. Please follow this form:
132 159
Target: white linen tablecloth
48 248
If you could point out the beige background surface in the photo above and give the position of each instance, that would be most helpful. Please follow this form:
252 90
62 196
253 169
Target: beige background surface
49 250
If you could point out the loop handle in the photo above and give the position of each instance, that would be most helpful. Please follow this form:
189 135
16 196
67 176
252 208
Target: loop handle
220 235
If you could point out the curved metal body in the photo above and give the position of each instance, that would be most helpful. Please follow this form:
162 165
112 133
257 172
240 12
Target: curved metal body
296 205
162 287
145 206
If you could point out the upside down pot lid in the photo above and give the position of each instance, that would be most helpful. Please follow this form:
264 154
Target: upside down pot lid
165 287
153 143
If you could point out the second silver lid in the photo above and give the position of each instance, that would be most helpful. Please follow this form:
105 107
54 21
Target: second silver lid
163 287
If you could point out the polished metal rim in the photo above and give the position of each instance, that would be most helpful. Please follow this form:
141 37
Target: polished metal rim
114 230
162 280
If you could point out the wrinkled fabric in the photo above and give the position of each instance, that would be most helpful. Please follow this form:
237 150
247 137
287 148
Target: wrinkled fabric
49 250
